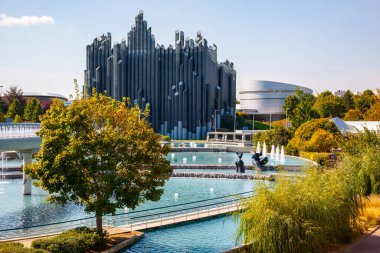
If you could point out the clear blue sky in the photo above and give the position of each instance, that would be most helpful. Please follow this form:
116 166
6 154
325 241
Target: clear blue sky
324 44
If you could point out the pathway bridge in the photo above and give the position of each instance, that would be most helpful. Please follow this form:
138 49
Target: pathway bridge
20 137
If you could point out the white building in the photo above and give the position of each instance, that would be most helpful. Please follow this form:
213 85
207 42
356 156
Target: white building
264 99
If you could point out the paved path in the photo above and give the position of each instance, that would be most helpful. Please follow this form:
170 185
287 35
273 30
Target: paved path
368 244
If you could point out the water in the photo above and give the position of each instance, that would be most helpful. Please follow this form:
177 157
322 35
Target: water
212 235
17 210
228 171
227 158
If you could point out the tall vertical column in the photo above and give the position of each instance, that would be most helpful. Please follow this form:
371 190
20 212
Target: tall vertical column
27 180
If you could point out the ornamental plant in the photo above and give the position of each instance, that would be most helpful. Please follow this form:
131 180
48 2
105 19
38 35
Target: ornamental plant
101 154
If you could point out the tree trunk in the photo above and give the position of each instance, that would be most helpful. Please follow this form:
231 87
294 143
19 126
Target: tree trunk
99 223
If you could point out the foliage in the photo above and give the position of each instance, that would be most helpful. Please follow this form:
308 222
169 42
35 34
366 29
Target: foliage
74 240
321 141
32 110
13 93
348 100
353 115
371 212
301 214
308 138
16 247
243 121
100 154
14 109
366 146
278 135
300 108
374 112
320 158
2 117
363 102
164 138
329 105
17 119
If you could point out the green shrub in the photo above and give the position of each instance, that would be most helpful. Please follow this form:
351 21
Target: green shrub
71 241
278 135
165 138
301 214
320 158
16 247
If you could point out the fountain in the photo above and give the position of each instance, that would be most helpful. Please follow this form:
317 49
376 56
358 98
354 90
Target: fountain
173 155
258 149
220 160
176 196
184 160
195 145
277 156
272 152
211 190
172 144
126 209
265 149
282 156
194 158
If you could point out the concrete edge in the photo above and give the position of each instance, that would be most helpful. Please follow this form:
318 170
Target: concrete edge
125 243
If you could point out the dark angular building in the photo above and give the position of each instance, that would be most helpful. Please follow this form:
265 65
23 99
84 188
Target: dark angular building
184 85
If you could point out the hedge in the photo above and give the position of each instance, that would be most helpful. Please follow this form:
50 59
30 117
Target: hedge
16 247
320 158
72 241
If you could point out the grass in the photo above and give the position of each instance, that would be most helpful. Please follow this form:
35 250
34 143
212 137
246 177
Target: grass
371 211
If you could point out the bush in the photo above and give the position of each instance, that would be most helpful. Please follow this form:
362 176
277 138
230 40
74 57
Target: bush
305 140
71 241
320 158
301 214
16 247
278 135
165 138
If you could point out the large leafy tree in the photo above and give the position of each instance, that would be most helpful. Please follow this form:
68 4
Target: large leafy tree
14 109
299 108
329 105
99 153
348 100
32 110
11 94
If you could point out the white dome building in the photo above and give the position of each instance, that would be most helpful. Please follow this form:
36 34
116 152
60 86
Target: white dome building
264 99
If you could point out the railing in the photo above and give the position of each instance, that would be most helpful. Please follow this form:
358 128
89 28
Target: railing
18 130
135 219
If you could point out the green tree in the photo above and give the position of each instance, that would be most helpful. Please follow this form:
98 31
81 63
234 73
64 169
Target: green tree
328 105
14 109
374 112
348 100
364 101
304 134
2 118
32 110
353 115
304 111
278 135
17 119
99 153
11 94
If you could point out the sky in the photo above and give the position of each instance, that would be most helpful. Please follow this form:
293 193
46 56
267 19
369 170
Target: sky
320 44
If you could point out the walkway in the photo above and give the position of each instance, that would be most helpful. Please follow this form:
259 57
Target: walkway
368 244
176 219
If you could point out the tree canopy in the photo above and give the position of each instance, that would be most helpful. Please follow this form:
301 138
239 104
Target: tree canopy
99 153
14 109
32 110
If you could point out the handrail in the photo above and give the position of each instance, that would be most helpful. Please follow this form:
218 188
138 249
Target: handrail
126 219
19 130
